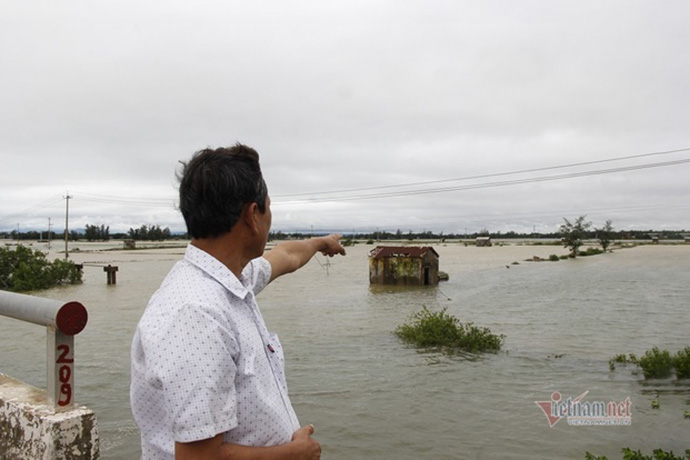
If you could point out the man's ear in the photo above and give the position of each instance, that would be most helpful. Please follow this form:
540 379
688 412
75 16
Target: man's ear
250 217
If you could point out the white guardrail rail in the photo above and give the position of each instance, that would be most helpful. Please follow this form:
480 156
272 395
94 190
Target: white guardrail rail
63 320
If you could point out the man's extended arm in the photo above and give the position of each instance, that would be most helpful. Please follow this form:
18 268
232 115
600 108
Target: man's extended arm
289 256
302 447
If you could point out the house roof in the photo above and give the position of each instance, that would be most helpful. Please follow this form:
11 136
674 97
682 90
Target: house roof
381 252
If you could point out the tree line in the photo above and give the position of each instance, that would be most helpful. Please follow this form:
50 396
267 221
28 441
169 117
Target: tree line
588 233
155 232
98 233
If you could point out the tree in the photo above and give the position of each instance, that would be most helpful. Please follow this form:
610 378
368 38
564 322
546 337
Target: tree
104 233
23 269
605 235
150 232
572 233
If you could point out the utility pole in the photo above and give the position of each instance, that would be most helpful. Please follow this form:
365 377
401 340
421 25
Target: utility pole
50 226
67 198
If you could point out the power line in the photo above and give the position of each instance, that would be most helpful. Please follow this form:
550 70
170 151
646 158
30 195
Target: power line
35 208
344 195
133 203
486 176
395 194
129 201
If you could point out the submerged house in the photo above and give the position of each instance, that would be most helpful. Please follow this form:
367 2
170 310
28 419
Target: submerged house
403 265
483 241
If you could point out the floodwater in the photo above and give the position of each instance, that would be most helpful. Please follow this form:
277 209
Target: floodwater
372 397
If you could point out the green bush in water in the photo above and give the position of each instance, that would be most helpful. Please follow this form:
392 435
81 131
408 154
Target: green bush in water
629 454
656 364
439 329
23 269
682 363
590 252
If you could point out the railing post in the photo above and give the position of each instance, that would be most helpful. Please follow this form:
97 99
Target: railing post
47 424
60 359
62 321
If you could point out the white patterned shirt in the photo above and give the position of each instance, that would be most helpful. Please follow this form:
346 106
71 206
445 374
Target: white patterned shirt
203 362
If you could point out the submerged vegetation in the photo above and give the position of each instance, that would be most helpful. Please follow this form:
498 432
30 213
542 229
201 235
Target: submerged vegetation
23 269
629 454
682 363
440 329
590 252
657 364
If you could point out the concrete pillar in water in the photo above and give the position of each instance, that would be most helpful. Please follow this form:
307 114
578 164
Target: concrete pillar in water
111 274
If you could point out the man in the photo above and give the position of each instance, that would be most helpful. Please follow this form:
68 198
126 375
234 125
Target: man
208 379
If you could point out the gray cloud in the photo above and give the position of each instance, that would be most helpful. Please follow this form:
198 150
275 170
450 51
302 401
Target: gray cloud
104 99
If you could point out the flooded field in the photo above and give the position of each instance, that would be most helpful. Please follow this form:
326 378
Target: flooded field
372 397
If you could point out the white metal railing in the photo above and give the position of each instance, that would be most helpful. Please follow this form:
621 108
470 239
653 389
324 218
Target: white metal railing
62 321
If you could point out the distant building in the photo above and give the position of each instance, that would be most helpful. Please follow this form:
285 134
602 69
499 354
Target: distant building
403 265
483 241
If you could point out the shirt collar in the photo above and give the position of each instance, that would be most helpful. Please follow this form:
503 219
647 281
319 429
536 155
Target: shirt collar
216 270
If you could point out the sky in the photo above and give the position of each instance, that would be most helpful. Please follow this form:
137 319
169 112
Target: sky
438 115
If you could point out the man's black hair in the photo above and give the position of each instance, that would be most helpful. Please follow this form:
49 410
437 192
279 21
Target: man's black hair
214 187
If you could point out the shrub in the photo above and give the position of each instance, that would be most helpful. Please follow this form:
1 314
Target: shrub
429 329
656 364
622 359
590 252
617 359
629 454
554 258
682 363
475 339
24 269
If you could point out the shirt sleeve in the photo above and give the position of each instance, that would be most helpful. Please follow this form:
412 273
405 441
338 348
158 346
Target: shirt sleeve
259 273
195 370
